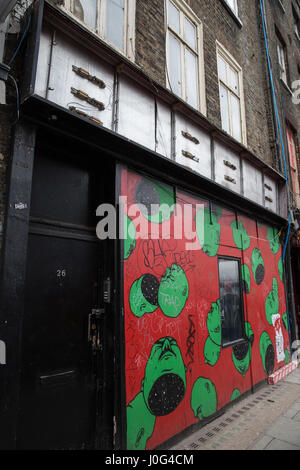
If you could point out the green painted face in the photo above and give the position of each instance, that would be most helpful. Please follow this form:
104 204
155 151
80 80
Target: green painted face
241 353
209 238
203 398
240 236
280 269
272 302
140 423
212 352
129 236
267 353
157 201
235 394
173 291
273 238
285 321
258 266
214 323
143 295
241 356
164 383
246 278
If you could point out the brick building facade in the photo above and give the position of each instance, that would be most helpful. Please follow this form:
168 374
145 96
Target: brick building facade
158 102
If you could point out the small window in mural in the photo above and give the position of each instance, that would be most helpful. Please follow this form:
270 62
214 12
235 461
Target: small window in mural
231 302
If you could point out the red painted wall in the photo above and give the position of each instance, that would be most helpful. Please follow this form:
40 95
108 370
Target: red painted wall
189 329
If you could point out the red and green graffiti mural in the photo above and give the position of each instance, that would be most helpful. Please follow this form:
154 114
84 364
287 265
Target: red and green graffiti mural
177 371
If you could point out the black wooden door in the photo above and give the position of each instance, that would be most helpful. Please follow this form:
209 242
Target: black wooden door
61 337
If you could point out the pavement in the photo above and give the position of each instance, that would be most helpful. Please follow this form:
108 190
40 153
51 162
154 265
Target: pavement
268 419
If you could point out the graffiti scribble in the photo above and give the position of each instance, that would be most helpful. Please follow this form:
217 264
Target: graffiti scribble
190 342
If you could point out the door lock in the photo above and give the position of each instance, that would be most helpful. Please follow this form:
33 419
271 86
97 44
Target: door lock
94 329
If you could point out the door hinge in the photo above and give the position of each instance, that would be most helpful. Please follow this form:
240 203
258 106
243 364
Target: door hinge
107 290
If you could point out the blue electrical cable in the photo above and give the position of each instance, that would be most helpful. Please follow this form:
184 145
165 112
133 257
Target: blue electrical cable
273 89
287 237
277 116
282 144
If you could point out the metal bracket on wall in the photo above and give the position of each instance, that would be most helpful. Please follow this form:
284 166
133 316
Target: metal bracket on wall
268 187
91 78
190 156
190 137
85 97
81 113
231 180
230 165
268 199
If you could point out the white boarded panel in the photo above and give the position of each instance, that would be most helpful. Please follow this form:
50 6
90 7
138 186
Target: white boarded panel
253 183
193 146
163 132
227 168
41 80
136 114
270 194
66 54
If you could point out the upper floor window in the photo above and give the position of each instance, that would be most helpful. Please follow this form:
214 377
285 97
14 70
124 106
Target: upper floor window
291 139
233 5
185 69
282 59
113 20
231 95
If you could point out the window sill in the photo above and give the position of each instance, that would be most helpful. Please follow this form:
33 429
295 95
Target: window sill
234 343
286 87
232 13
65 11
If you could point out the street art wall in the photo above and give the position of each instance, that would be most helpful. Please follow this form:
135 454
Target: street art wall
177 370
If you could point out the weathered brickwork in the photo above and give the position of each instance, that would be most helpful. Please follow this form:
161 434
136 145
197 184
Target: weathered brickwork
150 38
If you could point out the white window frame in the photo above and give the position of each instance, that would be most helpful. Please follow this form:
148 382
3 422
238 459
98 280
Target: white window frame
296 24
281 60
186 11
233 5
129 25
291 139
229 59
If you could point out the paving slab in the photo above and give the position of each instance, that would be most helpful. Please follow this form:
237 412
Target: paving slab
294 377
297 417
277 444
262 443
286 429
292 411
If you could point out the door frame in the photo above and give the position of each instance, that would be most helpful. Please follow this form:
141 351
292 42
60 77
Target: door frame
12 294
13 269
